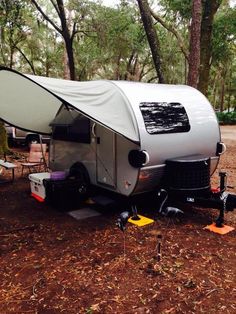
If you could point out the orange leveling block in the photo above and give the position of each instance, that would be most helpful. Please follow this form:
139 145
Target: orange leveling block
220 230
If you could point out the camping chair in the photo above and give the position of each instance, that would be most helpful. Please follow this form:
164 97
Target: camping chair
36 160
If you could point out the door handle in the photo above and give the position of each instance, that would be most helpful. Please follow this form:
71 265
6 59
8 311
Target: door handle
94 130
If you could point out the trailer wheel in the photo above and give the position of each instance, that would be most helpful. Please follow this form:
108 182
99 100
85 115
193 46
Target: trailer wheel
30 139
79 172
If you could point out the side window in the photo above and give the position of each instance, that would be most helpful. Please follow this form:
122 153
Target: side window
76 128
163 117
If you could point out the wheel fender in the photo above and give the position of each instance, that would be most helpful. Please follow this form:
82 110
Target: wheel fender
79 168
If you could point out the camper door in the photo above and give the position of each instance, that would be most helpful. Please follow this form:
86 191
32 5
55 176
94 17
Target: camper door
105 156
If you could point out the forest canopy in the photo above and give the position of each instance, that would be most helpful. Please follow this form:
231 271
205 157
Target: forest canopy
170 41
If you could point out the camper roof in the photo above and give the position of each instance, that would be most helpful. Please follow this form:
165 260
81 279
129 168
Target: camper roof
32 102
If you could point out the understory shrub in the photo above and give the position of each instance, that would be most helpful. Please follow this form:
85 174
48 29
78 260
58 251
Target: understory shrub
226 117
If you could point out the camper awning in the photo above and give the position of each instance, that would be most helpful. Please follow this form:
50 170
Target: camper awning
32 102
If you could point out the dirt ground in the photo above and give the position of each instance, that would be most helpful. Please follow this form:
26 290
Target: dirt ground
52 263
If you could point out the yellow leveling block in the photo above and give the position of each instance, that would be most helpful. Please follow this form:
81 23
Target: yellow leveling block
141 222
223 230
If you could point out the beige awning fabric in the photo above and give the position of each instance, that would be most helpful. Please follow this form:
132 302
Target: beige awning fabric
31 102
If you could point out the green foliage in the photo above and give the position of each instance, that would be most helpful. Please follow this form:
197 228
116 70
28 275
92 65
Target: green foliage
224 35
112 38
12 28
226 117
172 59
182 8
111 43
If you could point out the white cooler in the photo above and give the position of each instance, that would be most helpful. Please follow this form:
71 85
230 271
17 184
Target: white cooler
36 185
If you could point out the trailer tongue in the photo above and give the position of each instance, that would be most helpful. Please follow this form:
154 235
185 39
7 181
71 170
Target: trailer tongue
187 179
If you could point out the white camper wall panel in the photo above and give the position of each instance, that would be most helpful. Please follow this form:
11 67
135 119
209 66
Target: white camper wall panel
105 157
127 176
108 159
204 129
64 154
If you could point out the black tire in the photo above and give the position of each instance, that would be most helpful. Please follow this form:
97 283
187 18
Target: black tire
79 172
11 142
32 139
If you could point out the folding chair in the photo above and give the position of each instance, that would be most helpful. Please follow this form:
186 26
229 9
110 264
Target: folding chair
36 160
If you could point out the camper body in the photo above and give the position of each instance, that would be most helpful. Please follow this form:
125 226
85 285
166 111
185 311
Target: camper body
126 137
172 121
122 134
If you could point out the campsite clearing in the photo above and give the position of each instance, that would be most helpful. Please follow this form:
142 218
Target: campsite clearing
52 263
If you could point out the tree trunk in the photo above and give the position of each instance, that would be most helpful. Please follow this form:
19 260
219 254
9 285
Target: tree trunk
2 41
66 70
12 50
26 59
3 140
229 89
64 31
194 51
209 10
222 92
222 95
214 89
117 69
67 38
151 36
70 56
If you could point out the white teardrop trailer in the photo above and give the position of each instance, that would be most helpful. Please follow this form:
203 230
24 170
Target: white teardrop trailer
126 137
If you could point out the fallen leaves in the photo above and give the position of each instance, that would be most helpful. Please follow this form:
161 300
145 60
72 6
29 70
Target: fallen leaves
66 266
189 283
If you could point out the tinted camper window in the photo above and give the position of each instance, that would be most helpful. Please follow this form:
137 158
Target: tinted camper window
163 117
78 131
